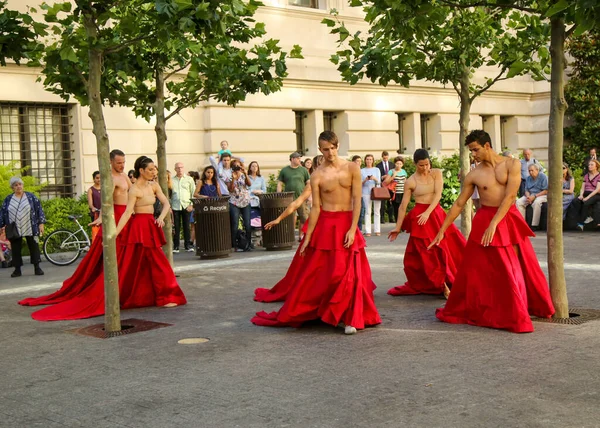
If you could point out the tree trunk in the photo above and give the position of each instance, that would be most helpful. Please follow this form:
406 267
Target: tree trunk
161 154
558 106
112 313
465 165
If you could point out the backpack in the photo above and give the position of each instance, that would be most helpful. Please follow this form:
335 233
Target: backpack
242 241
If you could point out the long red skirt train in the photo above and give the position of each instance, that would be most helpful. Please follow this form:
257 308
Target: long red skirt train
145 276
500 285
334 284
427 271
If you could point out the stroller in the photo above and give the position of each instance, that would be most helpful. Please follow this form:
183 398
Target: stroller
6 252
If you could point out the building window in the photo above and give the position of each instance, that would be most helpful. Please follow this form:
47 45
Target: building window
38 137
424 139
328 117
314 4
400 132
503 120
299 131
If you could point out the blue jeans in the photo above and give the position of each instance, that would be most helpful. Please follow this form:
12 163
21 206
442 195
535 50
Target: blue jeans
234 215
361 217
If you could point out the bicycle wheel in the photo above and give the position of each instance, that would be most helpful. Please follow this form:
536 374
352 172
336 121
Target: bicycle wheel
62 247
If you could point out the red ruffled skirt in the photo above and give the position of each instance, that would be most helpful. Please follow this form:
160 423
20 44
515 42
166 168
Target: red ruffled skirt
428 270
334 284
84 276
145 276
501 285
282 288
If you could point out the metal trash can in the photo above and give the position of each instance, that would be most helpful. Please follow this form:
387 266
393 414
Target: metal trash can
213 227
281 237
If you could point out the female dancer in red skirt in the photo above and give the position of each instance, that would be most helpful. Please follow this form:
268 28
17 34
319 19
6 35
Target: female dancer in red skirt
433 271
145 275
281 289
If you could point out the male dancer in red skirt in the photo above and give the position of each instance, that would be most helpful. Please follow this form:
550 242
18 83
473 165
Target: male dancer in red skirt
335 283
427 272
92 265
499 283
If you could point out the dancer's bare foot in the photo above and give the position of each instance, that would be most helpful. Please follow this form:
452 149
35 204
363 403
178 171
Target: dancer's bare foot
170 305
446 292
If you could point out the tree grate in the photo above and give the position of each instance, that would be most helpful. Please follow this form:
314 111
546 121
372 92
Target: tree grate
577 316
128 326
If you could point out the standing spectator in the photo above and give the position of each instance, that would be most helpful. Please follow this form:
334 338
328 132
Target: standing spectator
371 177
94 202
181 204
196 177
527 160
385 166
239 203
93 196
586 163
398 174
361 219
223 169
23 211
568 188
294 177
589 196
131 176
208 186
258 185
307 164
536 191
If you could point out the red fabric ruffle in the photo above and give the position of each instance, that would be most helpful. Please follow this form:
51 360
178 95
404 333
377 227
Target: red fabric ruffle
143 231
428 270
333 284
90 267
497 286
145 278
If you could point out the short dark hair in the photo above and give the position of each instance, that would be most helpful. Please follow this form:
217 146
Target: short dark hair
398 158
356 157
419 155
131 173
116 152
384 153
94 174
225 155
478 136
330 137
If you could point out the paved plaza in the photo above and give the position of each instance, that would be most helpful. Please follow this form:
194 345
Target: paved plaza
411 371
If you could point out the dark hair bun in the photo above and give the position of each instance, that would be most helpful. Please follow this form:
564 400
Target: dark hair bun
141 163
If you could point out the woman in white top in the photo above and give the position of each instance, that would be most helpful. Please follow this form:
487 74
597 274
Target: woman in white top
371 177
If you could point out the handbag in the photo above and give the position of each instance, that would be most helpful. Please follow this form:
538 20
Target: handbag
380 194
11 231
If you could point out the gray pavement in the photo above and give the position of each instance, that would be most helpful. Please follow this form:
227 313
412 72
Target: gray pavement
412 371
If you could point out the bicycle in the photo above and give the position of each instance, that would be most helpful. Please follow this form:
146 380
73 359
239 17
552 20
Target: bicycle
63 247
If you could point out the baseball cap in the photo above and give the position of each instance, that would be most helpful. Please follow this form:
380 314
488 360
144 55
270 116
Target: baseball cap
295 155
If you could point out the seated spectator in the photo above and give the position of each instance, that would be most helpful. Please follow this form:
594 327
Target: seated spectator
208 186
589 196
536 191
568 188
258 186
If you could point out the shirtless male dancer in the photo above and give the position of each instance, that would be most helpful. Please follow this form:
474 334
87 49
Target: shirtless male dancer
335 281
500 282
121 185
427 272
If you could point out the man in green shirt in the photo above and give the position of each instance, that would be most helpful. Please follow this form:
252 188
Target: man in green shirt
181 204
294 177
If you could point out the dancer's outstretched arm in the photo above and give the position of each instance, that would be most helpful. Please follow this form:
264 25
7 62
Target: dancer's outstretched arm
292 207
